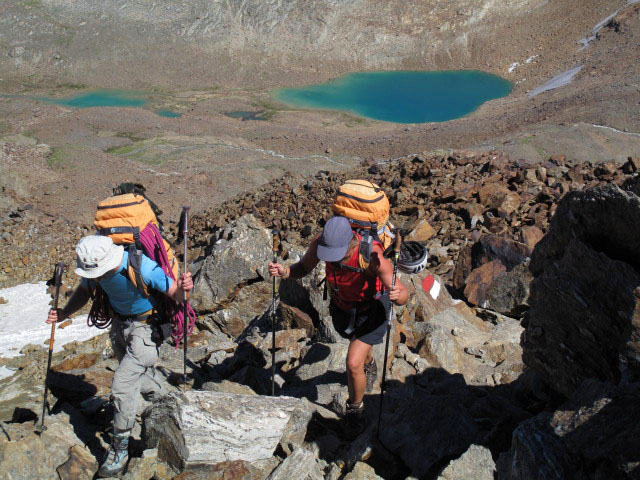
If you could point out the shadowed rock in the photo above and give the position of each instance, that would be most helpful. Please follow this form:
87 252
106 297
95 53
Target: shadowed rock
584 320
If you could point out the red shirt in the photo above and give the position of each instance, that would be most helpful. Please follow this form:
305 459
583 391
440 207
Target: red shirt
349 287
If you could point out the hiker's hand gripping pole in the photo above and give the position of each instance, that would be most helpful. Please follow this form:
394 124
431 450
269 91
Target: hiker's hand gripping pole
59 270
396 253
275 247
185 321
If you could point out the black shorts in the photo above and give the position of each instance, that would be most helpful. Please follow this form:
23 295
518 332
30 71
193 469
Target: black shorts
370 325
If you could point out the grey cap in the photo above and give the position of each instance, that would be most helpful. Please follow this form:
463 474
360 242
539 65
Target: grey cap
334 241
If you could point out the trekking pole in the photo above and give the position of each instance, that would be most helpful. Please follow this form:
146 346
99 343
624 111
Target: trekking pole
273 317
185 322
383 384
57 279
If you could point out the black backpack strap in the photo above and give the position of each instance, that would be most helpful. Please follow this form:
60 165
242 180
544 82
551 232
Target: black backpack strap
348 267
366 243
134 264
116 230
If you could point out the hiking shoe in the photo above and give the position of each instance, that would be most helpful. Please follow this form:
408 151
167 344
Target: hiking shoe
371 372
117 456
354 422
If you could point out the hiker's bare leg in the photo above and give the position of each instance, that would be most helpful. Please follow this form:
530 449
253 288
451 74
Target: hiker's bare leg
358 353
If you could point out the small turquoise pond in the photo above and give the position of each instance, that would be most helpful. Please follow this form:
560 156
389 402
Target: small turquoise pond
402 96
108 98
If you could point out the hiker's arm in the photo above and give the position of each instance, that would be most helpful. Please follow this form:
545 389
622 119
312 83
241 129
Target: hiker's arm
300 269
178 288
78 299
384 269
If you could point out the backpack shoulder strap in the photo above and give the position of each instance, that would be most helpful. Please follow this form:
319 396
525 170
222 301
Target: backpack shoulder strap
134 270
367 238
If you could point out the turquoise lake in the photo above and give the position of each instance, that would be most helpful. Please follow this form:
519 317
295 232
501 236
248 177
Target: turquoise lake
108 98
401 96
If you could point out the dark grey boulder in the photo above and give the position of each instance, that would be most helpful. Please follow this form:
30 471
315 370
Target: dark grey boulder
585 297
238 258
509 293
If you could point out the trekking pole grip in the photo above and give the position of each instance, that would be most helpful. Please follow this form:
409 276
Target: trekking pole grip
59 270
396 253
276 242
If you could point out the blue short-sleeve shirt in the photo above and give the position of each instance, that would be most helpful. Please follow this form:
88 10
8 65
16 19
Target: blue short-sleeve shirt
123 295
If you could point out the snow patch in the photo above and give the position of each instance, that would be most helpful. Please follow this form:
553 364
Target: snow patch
515 65
594 31
22 321
558 81
633 134
5 372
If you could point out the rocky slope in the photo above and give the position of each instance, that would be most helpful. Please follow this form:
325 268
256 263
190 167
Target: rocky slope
466 396
256 42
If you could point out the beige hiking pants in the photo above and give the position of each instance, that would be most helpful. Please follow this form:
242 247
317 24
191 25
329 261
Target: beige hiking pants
136 373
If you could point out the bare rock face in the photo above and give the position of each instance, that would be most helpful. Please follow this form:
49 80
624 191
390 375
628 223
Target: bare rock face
307 295
475 463
584 318
301 464
293 317
196 428
589 437
480 279
81 464
489 248
459 342
440 426
322 358
239 257
250 304
26 455
509 293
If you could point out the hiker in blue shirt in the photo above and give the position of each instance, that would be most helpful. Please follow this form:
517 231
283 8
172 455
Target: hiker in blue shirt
134 330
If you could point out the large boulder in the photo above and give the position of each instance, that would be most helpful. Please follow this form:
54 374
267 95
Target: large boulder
425 429
592 436
250 305
584 320
509 293
25 454
301 464
307 295
459 342
205 428
476 463
237 258
488 248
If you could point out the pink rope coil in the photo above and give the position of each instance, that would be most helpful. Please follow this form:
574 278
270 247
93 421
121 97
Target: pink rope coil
153 246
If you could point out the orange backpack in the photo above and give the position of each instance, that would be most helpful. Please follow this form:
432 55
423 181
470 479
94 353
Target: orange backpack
366 206
123 217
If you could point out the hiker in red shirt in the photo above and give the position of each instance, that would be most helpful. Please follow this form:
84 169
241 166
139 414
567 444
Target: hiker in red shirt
360 303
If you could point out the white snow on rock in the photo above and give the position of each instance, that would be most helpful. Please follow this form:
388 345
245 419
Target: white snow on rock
587 40
22 321
558 81
515 65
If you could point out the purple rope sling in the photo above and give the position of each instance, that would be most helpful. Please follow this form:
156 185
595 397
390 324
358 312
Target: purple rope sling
153 246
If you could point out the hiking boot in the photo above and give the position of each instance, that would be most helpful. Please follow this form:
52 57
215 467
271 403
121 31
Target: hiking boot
354 422
117 457
371 372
